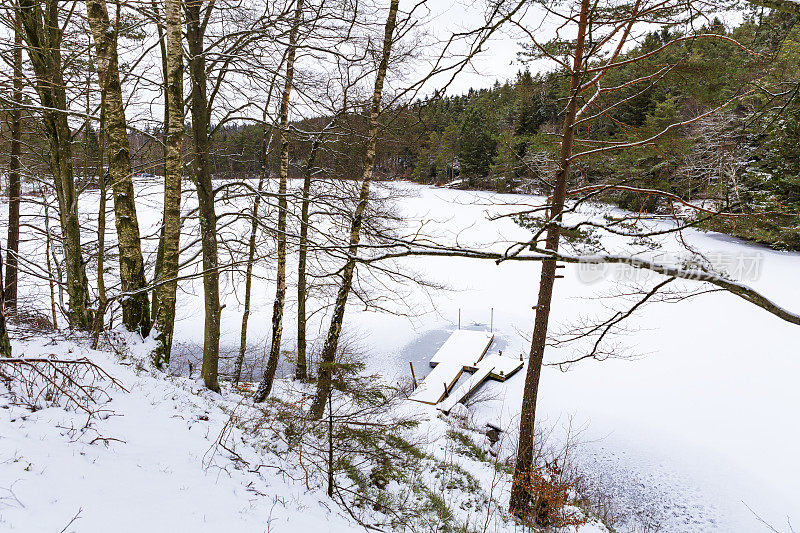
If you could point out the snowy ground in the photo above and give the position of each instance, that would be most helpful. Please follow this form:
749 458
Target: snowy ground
684 438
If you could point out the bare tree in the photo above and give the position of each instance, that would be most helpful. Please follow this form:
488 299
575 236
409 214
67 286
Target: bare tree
265 386
43 37
5 342
173 175
266 140
301 372
329 350
14 178
135 301
196 23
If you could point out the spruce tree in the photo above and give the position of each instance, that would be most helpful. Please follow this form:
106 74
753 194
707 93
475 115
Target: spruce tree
477 147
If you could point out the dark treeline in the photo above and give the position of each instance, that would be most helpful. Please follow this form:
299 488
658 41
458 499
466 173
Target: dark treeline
743 158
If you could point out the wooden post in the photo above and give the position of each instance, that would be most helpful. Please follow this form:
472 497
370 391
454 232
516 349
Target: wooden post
413 376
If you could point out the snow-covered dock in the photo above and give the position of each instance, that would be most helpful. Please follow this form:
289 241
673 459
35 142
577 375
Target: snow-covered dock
494 366
463 351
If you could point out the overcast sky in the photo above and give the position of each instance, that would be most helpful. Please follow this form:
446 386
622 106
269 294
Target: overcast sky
499 61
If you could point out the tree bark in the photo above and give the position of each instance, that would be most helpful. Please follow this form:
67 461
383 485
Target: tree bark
5 341
101 254
101 226
331 346
195 30
301 372
251 252
43 35
265 386
135 304
162 45
248 280
173 149
520 493
48 261
14 179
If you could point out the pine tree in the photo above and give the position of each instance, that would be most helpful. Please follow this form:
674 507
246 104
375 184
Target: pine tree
477 147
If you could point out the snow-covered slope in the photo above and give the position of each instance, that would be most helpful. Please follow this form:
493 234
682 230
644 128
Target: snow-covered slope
163 454
149 463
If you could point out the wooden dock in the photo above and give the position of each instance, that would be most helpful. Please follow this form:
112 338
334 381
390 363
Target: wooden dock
494 366
465 350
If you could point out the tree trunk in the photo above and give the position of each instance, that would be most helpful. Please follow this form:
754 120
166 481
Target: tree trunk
43 38
301 372
135 304
158 275
101 254
101 226
265 386
14 179
205 192
47 251
248 280
173 148
266 140
520 493
5 342
329 349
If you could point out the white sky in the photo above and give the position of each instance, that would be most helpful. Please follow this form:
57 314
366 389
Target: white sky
499 60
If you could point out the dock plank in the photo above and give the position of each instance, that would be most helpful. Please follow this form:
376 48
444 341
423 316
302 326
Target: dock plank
432 388
464 346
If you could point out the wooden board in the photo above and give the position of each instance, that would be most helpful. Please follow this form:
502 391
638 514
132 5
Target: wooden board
464 346
504 367
493 366
466 388
432 388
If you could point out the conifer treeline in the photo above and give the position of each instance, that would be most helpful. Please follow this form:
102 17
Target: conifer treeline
743 158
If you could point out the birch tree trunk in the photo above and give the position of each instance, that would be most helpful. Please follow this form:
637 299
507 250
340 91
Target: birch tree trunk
43 35
301 372
265 386
14 179
5 341
162 45
101 226
266 141
135 304
173 149
329 349
195 30
520 494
